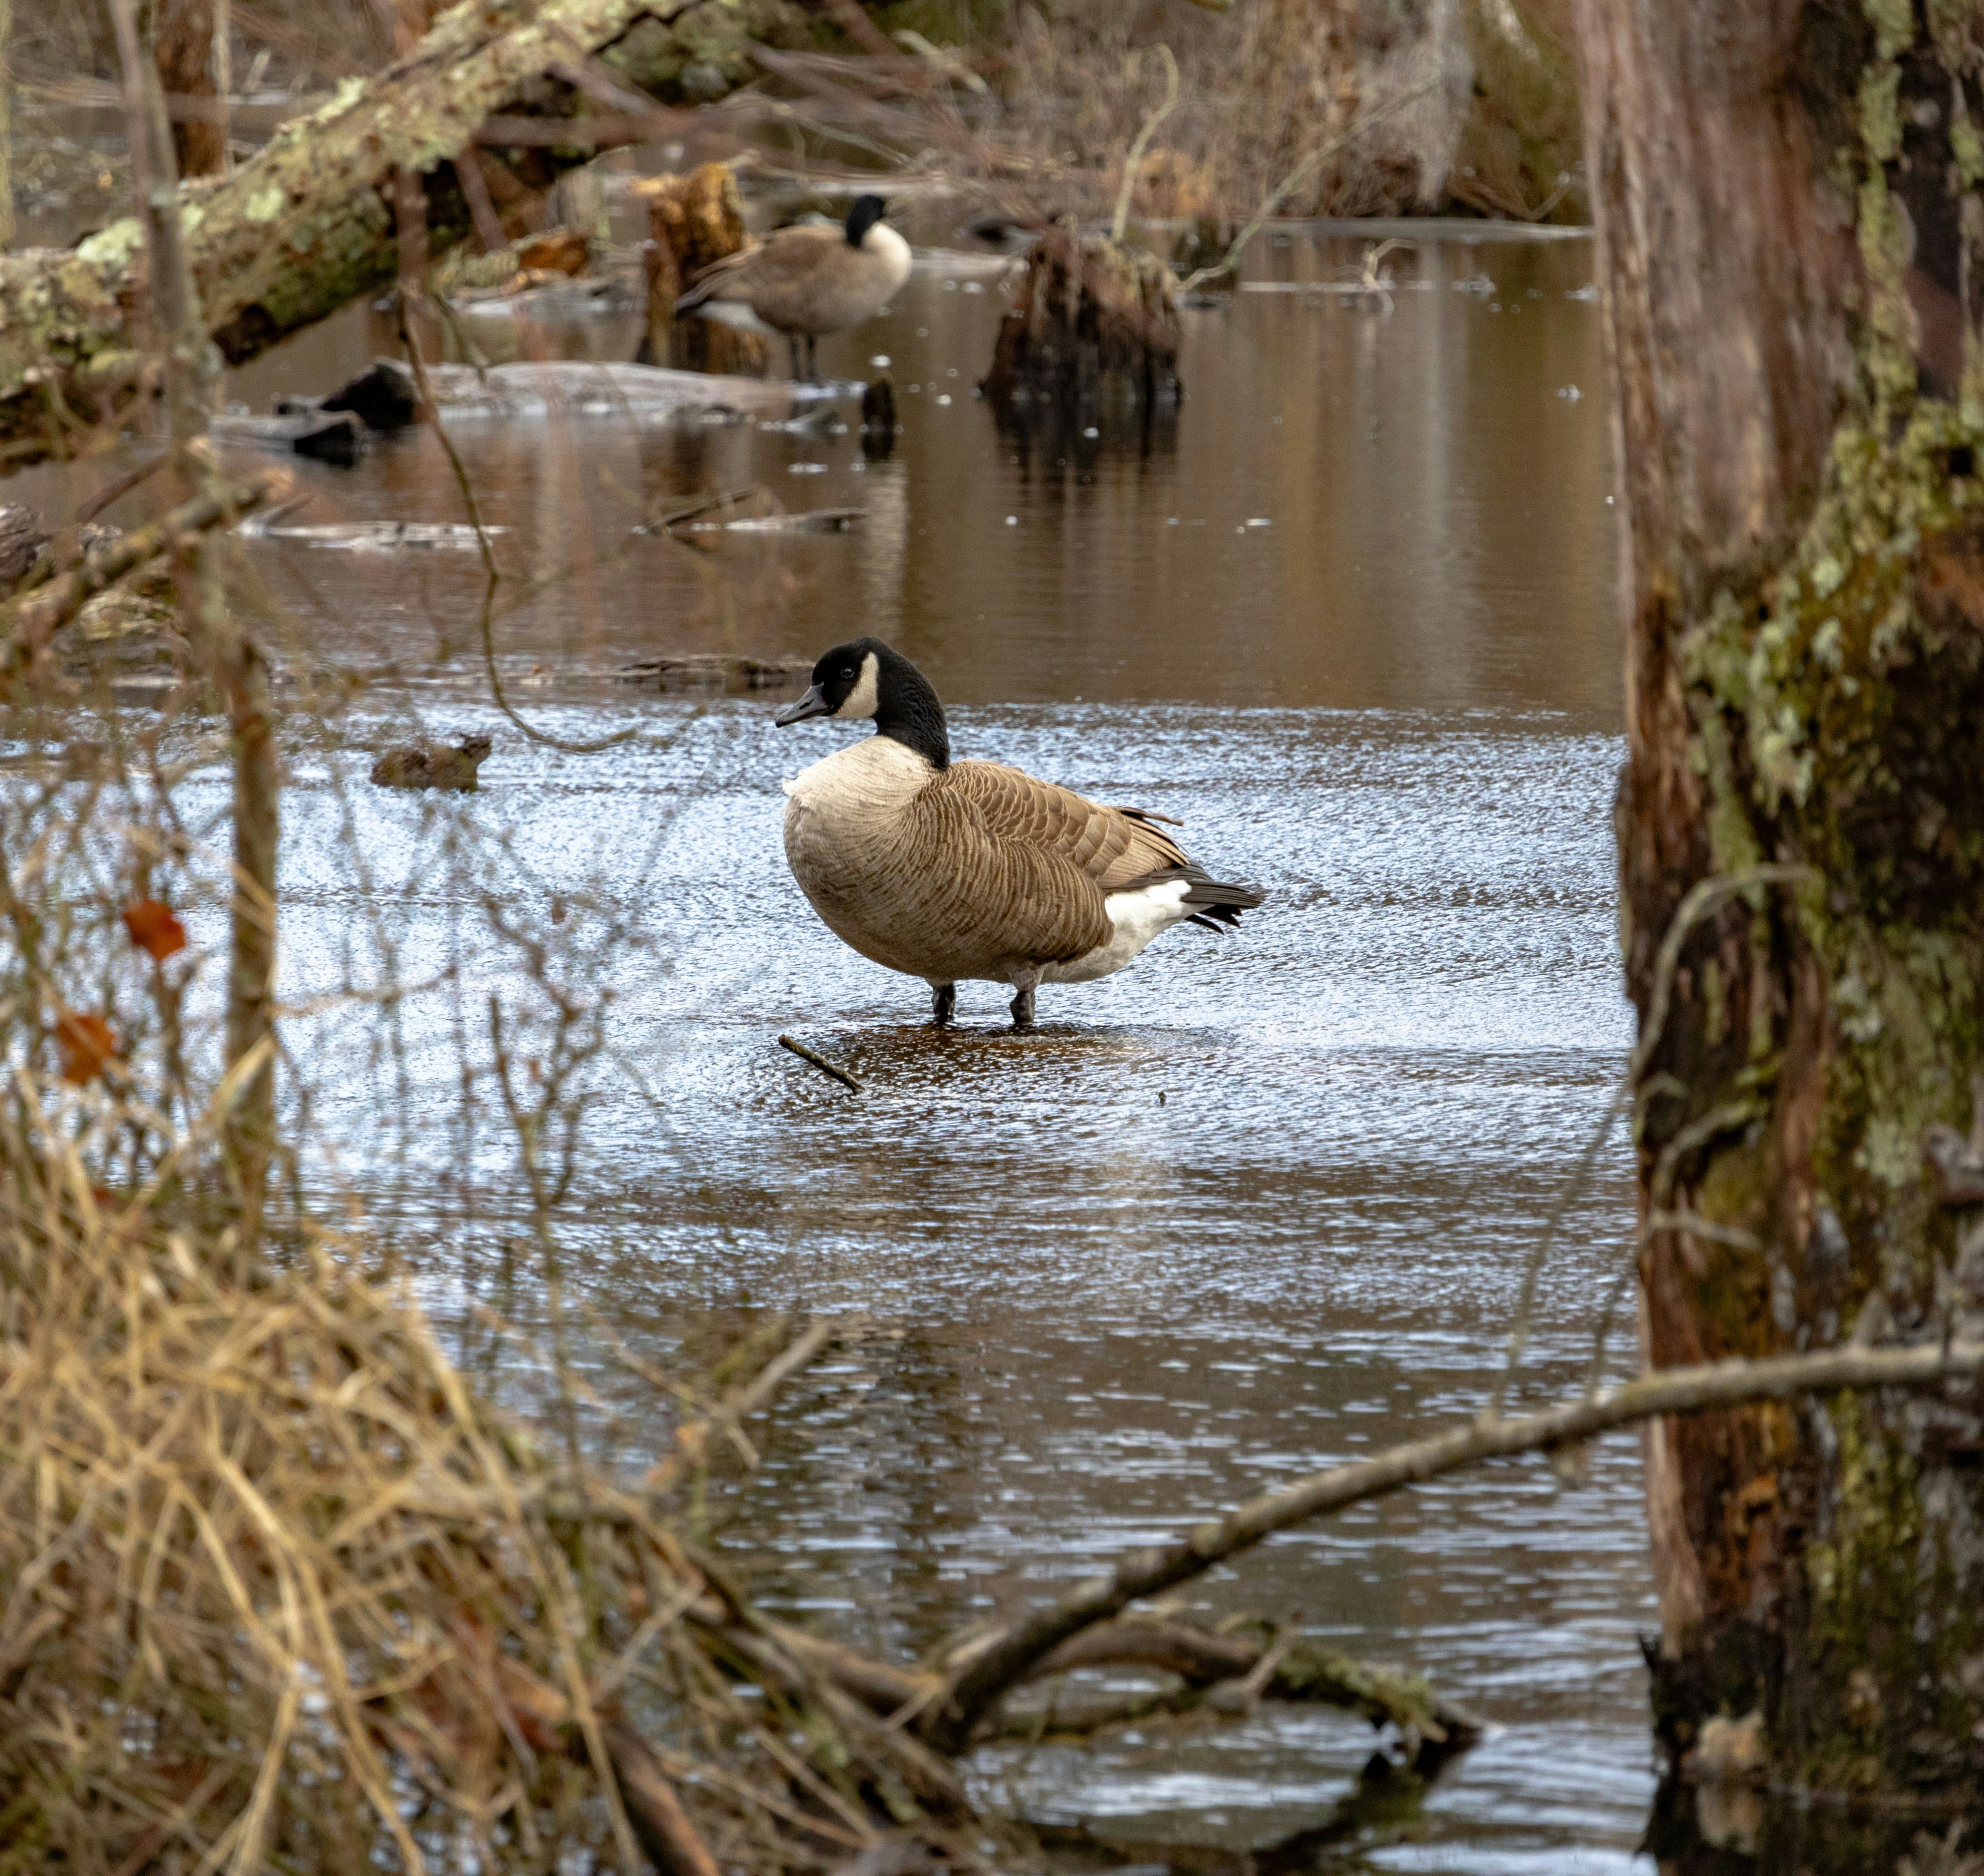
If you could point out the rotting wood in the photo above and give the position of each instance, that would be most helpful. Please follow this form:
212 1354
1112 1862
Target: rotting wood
1092 321
1293 1670
1013 1655
306 225
693 222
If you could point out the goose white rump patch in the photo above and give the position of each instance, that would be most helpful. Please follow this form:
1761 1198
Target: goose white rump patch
1137 917
735 314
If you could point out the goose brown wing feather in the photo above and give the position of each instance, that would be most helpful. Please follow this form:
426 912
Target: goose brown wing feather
771 274
1111 847
1044 858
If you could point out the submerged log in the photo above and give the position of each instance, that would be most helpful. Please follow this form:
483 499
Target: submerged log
1092 322
1788 202
693 221
308 224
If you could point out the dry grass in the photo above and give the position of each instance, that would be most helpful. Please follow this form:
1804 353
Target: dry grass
262 1557
277 1591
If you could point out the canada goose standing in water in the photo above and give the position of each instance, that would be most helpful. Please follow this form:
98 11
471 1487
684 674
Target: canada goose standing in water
948 870
805 280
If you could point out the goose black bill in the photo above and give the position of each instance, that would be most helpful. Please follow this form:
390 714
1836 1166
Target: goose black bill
812 704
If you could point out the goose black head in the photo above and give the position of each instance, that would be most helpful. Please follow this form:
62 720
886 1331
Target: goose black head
866 211
865 677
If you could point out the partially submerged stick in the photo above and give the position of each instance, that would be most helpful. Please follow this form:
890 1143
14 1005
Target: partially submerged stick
1012 1656
820 1062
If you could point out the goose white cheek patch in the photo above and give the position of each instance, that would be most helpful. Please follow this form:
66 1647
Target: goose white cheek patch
862 700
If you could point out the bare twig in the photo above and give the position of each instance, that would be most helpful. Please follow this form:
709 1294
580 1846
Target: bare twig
492 575
1703 898
820 1062
1148 130
114 490
692 1440
1015 1654
549 1721
1299 175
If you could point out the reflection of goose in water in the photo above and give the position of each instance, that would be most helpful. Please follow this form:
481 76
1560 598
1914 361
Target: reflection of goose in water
803 281
946 871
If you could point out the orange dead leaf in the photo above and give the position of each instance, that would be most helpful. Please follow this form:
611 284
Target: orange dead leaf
86 1045
153 929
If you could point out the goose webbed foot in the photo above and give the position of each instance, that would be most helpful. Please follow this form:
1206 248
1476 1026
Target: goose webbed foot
1023 1007
944 1003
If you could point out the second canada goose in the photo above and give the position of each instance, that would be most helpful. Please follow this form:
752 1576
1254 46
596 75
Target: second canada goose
816 277
948 870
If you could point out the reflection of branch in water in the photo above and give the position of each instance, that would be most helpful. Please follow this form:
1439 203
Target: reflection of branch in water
492 573
1383 1805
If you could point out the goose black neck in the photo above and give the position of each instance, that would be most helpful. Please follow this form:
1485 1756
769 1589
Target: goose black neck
866 211
909 711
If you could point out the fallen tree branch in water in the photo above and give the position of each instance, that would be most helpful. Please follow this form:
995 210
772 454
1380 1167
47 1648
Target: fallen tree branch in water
31 621
1293 1670
1296 1670
1002 1661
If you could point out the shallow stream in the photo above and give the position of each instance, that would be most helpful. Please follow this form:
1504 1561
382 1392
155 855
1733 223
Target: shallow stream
1254 1205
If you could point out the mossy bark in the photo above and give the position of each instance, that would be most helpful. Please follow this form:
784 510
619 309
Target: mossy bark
307 225
1791 236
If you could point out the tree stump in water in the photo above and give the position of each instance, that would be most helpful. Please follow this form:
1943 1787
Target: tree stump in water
1092 322
692 221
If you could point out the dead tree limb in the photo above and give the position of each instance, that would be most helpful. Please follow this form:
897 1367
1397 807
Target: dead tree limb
1001 1664
307 225
1302 1671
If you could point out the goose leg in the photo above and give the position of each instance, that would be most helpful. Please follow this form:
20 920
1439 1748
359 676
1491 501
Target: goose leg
812 359
792 345
1023 1007
944 1003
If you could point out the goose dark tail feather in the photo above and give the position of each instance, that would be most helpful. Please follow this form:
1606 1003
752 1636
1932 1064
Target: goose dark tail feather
1215 904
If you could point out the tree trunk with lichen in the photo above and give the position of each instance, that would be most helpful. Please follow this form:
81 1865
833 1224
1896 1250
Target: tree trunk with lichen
1791 230
308 225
